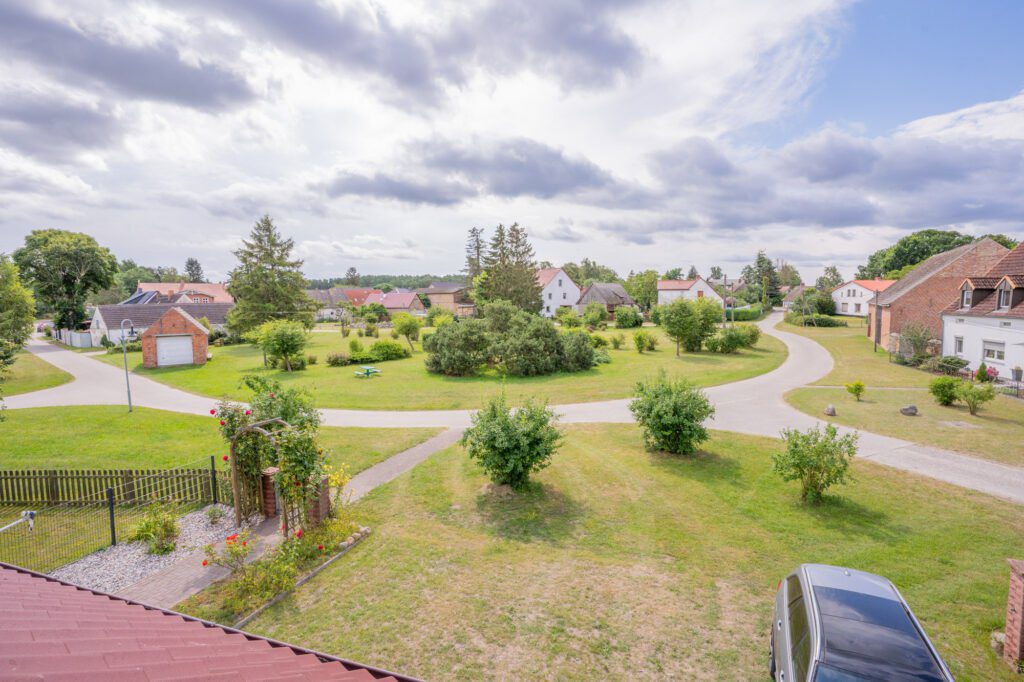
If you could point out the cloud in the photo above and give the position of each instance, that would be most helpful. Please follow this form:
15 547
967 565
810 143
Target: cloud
361 247
435 192
149 72
54 126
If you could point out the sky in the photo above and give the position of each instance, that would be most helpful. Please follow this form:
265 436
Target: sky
638 133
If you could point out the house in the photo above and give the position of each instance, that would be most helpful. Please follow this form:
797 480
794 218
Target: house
925 292
174 339
451 296
610 294
357 297
985 321
730 285
106 319
398 302
557 290
179 292
792 294
57 630
852 297
330 303
688 289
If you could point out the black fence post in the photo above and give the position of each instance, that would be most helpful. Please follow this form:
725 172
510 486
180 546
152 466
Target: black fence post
110 506
213 477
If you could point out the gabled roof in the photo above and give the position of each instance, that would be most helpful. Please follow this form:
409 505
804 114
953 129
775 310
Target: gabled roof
983 282
545 275
1011 265
357 297
794 293
878 285
443 288
328 298
188 318
933 266
217 290
393 300
676 284
142 316
609 293
53 629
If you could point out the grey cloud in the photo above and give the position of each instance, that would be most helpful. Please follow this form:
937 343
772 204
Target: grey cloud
53 127
153 72
829 156
385 186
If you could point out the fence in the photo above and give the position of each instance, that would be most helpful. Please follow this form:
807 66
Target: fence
74 513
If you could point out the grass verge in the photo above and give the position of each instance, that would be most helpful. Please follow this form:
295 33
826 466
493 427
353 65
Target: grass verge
29 373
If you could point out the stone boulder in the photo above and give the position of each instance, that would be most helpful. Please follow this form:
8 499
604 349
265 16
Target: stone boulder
830 411
909 410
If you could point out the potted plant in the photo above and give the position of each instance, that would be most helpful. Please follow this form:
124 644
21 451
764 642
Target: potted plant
1017 372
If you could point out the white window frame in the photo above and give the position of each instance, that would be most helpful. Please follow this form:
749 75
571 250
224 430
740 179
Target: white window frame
846 307
958 345
965 298
1009 297
998 350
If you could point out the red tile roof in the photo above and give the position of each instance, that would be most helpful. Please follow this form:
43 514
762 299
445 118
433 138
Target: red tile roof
214 289
985 300
1011 264
545 275
878 285
53 630
393 300
357 297
675 284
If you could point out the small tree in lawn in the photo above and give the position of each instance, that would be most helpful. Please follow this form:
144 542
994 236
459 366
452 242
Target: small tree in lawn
672 414
856 389
975 395
408 326
282 339
510 445
818 459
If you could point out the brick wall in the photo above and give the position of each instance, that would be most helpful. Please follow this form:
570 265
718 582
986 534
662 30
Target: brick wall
267 492
174 322
1013 648
320 508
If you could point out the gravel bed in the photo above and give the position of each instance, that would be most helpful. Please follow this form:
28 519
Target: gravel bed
114 568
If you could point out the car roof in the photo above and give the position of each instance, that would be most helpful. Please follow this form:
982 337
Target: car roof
867 629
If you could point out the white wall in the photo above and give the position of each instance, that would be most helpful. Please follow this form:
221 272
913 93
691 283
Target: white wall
853 295
975 331
560 291
691 294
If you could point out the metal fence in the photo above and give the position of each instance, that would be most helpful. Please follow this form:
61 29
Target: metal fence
49 518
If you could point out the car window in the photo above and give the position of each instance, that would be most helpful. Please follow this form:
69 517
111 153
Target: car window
793 589
827 673
800 638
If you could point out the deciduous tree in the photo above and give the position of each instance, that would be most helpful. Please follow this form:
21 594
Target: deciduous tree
194 271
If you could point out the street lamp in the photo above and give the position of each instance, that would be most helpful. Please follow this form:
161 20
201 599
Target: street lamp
124 347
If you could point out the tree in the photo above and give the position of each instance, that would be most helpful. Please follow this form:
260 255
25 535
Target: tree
671 413
595 313
17 312
818 459
692 273
168 273
282 340
690 323
457 349
716 272
975 395
474 252
788 276
194 271
829 280
628 317
944 390
512 444
267 284
674 273
588 272
856 389
352 277
762 280
509 271
643 288
63 269
408 326
1008 242
910 250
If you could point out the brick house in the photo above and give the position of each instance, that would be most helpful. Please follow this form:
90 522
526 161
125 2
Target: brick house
451 296
107 319
174 339
179 292
926 291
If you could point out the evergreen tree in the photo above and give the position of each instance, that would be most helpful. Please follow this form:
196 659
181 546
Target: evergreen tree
267 284
829 280
352 277
509 271
788 275
194 271
762 280
475 252
674 273
716 272
692 274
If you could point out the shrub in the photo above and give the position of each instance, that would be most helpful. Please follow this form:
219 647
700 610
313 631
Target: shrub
311 359
915 337
355 346
671 414
158 528
594 314
363 357
337 360
386 349
750 314
435 314
656 314
982 373
458 349
751 334
237 548
371 330
568 318
283 340
818 459
641 340
628 317
814 320
132 347
652 342
532 347
617 341
944 390
408 326
577 351
512 444
856 389
947 364
690 323
359 332
105 342
975 395
728 340
598 341
214 514
601 357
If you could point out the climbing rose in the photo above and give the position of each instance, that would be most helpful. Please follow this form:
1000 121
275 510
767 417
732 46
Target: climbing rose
320 547
298 533
205 562
213 411
248 411
222 422
225 458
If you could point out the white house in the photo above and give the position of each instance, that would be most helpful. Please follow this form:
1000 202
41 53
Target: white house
557 290
852 298
106 320
688 289
986 323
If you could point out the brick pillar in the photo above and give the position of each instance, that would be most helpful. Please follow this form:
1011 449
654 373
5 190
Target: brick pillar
1013 649
320 508
267 492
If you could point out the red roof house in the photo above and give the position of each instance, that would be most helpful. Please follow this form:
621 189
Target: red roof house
398 302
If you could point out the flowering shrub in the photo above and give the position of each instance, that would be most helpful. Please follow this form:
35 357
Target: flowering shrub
237 548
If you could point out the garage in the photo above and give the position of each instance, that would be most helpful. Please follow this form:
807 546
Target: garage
173 350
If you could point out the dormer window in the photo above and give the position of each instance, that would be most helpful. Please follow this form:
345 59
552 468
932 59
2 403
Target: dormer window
965 298
1005 294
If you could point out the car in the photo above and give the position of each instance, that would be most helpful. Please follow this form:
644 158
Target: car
834 624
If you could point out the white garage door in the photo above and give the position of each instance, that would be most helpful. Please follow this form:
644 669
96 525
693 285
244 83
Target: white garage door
173 350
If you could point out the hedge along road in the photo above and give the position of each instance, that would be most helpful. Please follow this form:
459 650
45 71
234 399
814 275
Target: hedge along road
753 406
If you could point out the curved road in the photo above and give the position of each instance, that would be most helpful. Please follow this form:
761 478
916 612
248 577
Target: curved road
753 406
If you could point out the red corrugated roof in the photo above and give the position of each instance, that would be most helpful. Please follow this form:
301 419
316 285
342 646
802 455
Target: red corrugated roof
357 297
54 630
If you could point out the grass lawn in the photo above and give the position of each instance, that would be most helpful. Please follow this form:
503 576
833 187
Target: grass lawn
61 535
105 437
29 373
996 432
624 564
406 384
856 359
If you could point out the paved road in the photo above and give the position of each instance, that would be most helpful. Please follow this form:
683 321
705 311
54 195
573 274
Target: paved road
753 406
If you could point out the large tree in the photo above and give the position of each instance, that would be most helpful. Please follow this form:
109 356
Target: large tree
829 279
64 268
673 273
267 284
910 250
788 276
588 272
509 271
475 250
643 288
352 277
692 273
762 280
715 272
194 271
17 311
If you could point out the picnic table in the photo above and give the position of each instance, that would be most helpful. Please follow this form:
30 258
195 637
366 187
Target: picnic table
366 371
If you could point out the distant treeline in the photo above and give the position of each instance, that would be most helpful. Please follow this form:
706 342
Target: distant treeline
397 281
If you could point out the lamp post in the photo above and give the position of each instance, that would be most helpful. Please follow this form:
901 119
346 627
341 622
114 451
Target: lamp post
124 348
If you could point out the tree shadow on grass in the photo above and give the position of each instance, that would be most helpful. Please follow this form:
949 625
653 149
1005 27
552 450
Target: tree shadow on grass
847 517
540 512
706 467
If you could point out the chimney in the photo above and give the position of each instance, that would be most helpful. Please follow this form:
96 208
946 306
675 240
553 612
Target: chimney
1013 648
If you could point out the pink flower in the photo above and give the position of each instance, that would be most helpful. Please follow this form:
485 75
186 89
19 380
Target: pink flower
248 411
213 411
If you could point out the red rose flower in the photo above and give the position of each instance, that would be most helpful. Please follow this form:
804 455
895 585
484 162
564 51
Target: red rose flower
222 422
205 562
244 543
213 411
320 547
225 458
248 411
298 533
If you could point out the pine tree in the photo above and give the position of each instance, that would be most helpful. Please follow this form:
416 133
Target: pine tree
474 252
762 280
692 274
194 271
352 277
267 284
510 271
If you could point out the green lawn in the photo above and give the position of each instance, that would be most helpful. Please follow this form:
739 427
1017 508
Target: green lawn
623 564
995 433
856 359
29 373
96 437
406 384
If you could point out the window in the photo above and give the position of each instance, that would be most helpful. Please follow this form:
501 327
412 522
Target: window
846 307
549 295
1004 297
547 308
856 307
564 295
958 345
559 283
700 294
965 299
993 351
799 631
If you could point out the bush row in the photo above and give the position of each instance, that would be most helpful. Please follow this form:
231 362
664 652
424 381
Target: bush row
381 351
732 338
814 320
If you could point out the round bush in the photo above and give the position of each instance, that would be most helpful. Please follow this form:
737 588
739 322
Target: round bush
386 349
671 414
577 351
628 317
944 390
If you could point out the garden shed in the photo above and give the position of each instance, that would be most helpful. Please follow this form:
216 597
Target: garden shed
176 338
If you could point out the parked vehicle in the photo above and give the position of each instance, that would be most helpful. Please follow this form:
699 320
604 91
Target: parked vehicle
835 624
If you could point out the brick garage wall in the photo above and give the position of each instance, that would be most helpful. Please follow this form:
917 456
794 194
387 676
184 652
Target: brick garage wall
1013 648
174 322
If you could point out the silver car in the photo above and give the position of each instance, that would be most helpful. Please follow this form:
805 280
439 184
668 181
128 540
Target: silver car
835 624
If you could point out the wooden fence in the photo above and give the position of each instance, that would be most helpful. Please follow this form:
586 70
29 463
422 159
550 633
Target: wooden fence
130 486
